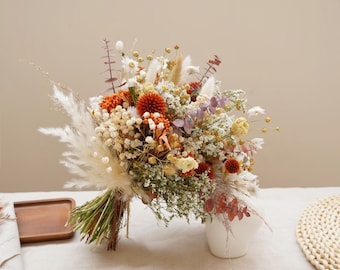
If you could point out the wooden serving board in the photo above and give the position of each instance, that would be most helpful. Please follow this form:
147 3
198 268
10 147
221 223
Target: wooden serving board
44 220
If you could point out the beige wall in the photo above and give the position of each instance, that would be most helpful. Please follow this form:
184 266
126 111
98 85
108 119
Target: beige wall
285 54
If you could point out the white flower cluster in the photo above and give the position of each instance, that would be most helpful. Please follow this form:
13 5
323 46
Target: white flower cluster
176 98
189 193
119 131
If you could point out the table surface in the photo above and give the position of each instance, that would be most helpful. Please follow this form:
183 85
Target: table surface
180 246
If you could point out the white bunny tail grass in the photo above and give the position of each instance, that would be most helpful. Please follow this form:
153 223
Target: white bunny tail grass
87 156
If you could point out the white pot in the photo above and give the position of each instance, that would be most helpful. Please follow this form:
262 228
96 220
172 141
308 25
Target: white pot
232 243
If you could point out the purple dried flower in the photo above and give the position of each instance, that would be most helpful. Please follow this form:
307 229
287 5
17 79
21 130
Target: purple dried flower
178 123
188 124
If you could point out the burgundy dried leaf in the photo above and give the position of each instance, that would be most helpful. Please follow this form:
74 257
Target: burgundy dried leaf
111 80
209 205
217 59
122 84
105 56
231 216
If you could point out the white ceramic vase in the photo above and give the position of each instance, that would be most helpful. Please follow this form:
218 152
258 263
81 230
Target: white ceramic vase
232 243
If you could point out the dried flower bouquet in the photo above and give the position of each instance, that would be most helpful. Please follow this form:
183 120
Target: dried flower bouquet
163 132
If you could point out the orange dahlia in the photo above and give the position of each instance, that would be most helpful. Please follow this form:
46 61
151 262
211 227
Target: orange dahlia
151 102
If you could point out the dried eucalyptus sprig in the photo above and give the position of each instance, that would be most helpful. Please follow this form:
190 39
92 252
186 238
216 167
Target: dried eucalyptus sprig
109 62
210 70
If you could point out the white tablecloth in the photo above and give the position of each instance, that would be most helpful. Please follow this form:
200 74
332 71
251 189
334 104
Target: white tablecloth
180 246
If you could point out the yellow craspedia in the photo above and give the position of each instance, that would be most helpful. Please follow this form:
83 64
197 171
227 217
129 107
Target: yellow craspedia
239 127
169 170
152 160
148 87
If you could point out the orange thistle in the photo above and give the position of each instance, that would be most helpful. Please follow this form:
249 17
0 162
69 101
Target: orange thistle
232 165
151 102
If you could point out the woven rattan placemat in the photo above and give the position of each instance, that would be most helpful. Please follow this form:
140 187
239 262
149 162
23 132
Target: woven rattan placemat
318 233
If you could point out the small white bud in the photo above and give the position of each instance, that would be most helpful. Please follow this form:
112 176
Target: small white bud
105 160
127 142
149 139
130 122
108 142
132 82
120 46
152 124
160 126
96 113
106 116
